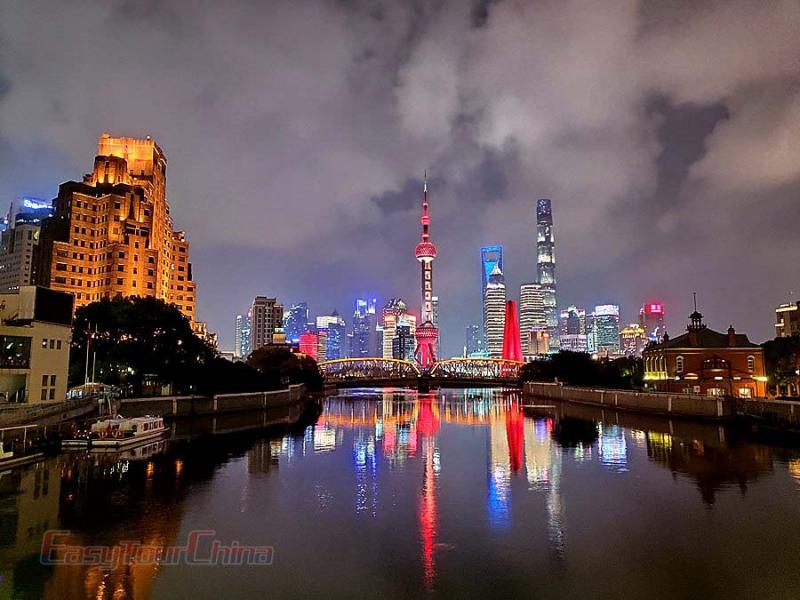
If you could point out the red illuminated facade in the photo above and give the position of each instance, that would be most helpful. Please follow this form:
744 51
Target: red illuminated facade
427 333
308 344
512 346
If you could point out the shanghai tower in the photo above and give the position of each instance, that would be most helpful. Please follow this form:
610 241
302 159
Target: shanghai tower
546 267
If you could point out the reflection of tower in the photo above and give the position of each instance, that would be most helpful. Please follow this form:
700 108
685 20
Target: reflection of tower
499 484
427 425
427 333
516 436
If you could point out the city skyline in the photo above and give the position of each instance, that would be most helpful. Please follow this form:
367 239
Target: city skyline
650 164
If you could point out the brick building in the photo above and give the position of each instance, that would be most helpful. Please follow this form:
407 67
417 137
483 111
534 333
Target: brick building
704 361
112 234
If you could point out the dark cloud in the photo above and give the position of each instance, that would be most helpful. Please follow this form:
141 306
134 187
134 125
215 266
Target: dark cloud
297 133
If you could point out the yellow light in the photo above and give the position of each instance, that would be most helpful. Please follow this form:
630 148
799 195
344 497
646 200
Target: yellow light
760 378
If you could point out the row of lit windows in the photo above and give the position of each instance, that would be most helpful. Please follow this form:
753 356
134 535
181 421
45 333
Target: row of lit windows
51 343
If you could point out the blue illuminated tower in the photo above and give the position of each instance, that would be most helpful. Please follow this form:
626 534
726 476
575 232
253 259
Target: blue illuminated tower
491 257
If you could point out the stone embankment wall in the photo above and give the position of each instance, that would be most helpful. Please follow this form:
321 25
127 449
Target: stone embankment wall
187 406
685 405
781 413
50 412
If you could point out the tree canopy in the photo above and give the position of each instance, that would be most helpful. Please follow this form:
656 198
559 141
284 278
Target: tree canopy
137 342
579 368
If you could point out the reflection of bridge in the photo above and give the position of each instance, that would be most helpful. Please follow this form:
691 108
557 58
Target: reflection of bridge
469 372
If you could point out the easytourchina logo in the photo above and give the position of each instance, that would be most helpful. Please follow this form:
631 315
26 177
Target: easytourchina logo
202 548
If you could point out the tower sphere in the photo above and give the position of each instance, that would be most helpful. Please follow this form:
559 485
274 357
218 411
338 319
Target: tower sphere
425 251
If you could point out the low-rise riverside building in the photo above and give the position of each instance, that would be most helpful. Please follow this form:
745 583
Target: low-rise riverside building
707 362
35 335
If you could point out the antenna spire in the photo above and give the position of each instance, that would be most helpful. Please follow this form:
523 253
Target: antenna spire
694 294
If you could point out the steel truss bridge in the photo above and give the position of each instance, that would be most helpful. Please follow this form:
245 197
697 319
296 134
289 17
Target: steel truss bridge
357 372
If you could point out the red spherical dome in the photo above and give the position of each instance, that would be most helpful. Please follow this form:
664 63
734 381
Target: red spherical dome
425 250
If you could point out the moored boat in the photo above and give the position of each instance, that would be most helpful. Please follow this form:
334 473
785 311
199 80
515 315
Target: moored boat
117 432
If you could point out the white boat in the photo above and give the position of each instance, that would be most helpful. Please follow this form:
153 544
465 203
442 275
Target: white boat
118 432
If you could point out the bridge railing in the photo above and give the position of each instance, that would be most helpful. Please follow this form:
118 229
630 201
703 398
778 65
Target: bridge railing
369 368
477 369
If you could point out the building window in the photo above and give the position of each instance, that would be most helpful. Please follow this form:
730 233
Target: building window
45 379
751 363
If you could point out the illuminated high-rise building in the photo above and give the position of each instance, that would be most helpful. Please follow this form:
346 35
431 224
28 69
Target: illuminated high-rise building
474 342
494 310
536 343
633 340
395 314
112 233
403 342
266 316
295 322
363 340
531 307
572 334
546 267
241 347
335 332
651 318
512 346
427 334
605 329
491 257
19 242
308 343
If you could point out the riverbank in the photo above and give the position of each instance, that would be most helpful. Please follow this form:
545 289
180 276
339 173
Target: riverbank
682 405
45 413
190 406
778 413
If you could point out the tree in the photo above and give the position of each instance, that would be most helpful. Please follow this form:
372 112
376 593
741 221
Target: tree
280 367
137 341
579 368
782 360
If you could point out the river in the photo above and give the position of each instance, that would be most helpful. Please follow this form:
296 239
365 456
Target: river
391 494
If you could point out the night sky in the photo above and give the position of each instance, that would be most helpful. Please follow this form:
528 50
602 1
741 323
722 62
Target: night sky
297 133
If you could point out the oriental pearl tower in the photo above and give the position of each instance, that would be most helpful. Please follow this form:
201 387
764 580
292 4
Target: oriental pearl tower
427 333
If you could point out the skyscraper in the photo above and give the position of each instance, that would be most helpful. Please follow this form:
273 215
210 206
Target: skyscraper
332 327
605 329
363 342
473 342
395 314
295 322
19 243
242 339
112 234
512 346
546 267
403 342
633 340
494 307
427 334
651 318
572 329
266 315
491 257
531 307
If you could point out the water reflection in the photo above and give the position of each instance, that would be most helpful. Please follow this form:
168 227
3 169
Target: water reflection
451 478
